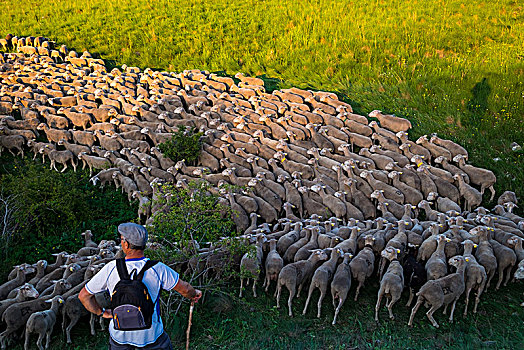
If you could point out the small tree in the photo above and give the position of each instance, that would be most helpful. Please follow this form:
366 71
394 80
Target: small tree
191 214
185 144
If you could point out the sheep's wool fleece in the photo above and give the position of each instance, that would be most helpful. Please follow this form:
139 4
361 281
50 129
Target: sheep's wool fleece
156 278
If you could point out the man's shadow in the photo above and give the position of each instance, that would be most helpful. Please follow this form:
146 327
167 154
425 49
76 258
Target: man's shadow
478 105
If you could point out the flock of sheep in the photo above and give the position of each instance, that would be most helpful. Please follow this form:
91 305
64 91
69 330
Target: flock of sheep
297 156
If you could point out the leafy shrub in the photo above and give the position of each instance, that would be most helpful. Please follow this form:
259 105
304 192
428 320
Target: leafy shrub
185 144
48 211
189 214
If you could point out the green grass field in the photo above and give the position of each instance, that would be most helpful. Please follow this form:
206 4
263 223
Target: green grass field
451 67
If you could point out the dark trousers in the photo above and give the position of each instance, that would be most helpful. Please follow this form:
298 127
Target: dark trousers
162 343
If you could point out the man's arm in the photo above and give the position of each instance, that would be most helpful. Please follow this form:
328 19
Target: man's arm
187 291
88 300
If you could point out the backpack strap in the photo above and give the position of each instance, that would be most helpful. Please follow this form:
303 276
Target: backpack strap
122 269
149 264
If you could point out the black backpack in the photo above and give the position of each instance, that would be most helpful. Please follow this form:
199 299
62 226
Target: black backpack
131 304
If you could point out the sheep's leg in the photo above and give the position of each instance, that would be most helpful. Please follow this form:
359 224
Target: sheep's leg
410 300
445 309
266 277
254 287
40 340
26 343
241 287
300 286
73 321
360 284
311 289
394 299
468 290
279 289
65 167
74 165
508 275
290 300
102 323
414 310
492 189
490 273
453 310
477 296
48 338
501 277
430 312
320 299
379 301
337 310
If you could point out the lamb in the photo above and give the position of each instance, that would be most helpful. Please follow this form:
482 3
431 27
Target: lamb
414 273
74 310
62 157
251 265
478 176
104 176
506 259
442 291
436 151
43 322
15 282
289 238
506 197
436 266
12 142
392 283
391 122
451 146
296 275
443 204
74 148
273 265
472 197
476 276
341 284
321 278
93 162
363 264
23 293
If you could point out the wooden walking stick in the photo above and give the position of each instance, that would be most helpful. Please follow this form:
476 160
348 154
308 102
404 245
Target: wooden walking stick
189 324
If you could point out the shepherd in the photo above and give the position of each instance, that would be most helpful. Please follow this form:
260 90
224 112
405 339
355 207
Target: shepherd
134 283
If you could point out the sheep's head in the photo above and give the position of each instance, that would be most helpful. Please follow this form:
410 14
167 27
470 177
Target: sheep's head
375 113
29 291
422 139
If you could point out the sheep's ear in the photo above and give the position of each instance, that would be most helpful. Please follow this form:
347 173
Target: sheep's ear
475 246
467 259
398 251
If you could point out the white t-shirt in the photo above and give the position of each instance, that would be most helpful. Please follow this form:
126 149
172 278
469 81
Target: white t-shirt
156 278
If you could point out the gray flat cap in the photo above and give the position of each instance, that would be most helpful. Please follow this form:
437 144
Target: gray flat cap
133 233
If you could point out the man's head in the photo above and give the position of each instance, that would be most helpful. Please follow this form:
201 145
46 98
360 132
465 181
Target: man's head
133 235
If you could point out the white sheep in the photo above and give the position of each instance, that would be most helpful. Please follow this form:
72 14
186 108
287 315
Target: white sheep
43 322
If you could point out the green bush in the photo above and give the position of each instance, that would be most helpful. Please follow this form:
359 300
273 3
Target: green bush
185 144
191 213
48 211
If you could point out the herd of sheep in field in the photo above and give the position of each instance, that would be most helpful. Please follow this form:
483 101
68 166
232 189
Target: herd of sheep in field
341 197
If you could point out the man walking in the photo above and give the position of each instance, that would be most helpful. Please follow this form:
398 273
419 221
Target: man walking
135 319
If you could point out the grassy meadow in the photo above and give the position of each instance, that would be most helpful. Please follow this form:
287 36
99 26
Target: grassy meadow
451 67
